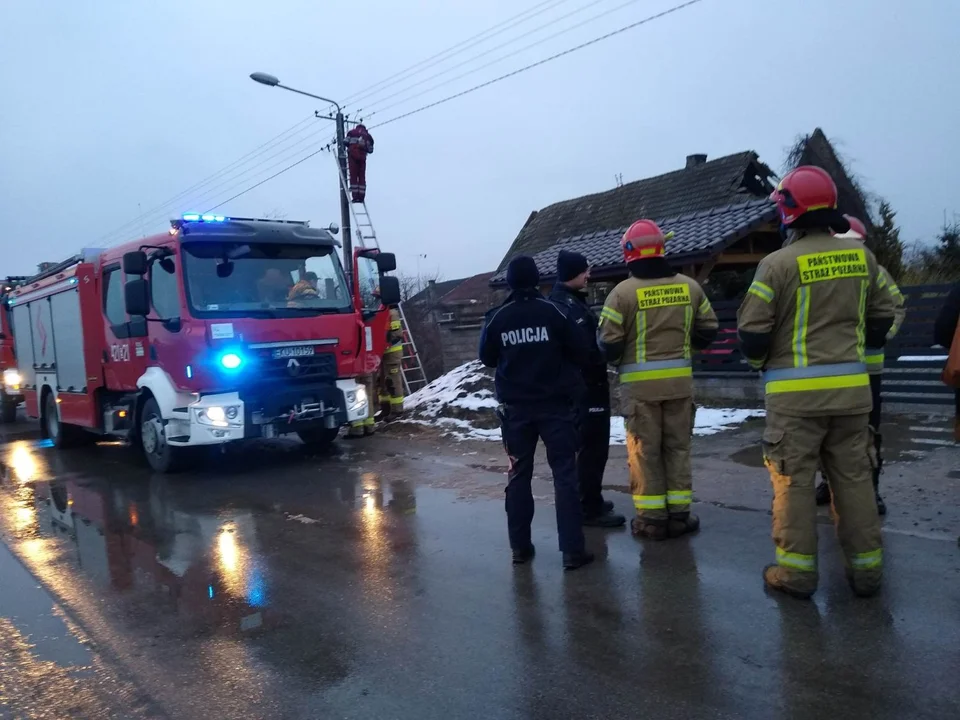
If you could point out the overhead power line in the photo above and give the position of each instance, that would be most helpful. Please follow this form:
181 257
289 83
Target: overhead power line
594 41
455 50
424 65
564 31
180 195
581 46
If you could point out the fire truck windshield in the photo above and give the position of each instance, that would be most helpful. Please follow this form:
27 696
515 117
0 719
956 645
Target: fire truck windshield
263 279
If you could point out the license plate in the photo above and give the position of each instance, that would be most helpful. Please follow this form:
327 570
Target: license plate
294 352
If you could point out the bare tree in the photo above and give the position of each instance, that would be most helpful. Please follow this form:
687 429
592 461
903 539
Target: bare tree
275 214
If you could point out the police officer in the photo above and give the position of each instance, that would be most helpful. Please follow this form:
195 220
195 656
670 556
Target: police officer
811 316
532 344
593 409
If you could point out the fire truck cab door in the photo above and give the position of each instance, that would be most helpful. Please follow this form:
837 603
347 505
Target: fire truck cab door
125 357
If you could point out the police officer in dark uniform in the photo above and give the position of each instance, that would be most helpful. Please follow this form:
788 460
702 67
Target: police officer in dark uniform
533 346
593 408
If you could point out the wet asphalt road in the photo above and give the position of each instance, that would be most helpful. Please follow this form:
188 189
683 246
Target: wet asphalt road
375 582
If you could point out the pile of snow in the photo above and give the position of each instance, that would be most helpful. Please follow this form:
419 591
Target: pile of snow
462 404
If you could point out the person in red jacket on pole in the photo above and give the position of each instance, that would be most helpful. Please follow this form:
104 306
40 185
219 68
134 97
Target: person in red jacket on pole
359 145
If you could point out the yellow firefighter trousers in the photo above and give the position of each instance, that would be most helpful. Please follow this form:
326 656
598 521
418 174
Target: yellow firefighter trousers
357 426
394 381
792 449
658 453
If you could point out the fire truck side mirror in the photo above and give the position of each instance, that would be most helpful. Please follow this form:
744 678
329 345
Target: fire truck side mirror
135 263
389 290
136 297
386 262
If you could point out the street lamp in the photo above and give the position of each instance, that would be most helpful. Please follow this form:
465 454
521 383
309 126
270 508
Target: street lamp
273 81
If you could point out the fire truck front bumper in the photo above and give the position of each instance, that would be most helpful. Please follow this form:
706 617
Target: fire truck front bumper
224 417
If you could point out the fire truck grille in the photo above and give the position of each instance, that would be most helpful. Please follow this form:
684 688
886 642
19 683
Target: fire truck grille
306 369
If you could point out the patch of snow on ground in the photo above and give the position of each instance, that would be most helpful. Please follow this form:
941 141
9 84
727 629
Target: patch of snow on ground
708 421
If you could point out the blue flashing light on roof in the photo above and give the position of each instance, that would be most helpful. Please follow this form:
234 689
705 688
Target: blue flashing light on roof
206 217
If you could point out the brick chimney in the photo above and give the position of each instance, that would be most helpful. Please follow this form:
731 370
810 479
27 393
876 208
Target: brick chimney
696 159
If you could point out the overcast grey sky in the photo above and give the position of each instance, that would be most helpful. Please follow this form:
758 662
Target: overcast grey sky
110 108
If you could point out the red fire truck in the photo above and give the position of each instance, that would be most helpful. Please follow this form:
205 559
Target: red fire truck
10 393
218 330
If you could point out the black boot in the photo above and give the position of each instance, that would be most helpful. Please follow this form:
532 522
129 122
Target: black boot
681 524
608 506
823 493
603 519
572 561
522 555
649 528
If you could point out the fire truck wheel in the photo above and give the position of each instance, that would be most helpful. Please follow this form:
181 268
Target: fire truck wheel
8 412
62 435
318 438
163 458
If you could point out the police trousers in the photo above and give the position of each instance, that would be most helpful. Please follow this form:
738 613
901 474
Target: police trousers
658 454
522 427
792 449
593 426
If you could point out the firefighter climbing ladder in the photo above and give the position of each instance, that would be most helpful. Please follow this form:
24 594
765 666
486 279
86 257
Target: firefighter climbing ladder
411 368
362 224
413 376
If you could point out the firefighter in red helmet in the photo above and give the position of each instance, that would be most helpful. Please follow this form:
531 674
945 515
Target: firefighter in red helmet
359 145
875 359
650 326
814 312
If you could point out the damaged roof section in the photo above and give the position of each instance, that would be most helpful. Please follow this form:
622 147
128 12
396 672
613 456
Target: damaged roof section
701 185
698 236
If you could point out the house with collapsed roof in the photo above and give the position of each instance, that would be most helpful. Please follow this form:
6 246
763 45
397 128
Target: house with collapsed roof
719 211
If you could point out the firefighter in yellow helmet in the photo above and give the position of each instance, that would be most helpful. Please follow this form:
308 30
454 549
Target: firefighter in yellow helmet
875 358
815 311
650 326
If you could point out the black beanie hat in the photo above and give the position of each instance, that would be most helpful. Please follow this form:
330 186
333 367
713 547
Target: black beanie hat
522 273
570 265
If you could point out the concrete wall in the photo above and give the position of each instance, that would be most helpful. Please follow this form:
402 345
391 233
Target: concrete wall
459 341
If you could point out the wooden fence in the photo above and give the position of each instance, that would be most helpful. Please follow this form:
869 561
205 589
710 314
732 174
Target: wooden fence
913 365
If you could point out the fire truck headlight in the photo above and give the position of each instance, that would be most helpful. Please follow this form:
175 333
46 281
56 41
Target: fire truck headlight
231 361
360 396
12 379
216 413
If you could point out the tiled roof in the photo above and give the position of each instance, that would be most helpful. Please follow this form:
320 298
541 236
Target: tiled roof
710 184
697 236
470 290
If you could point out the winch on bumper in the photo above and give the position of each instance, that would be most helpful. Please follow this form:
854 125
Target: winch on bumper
267 413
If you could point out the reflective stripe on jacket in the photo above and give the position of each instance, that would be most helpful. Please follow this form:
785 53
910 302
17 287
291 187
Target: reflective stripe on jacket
813 299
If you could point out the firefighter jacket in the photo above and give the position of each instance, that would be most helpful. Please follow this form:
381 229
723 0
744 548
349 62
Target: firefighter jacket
574 302
875 356
303 290
394 336
359 139
814 310
649 329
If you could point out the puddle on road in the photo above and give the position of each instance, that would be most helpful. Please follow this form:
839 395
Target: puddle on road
750 456
186 546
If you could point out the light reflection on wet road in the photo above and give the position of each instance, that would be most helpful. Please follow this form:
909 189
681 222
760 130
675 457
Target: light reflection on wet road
271 583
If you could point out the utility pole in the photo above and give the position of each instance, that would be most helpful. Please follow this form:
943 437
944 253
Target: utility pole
272 81
344 200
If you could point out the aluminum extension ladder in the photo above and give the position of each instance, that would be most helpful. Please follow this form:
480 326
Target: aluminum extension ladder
362 224
414 378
